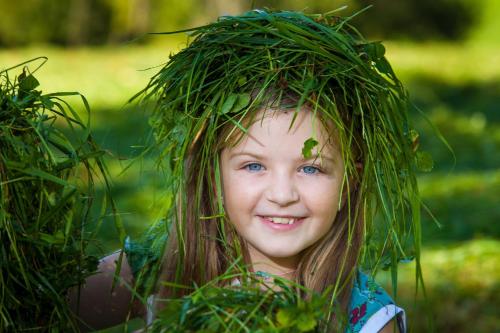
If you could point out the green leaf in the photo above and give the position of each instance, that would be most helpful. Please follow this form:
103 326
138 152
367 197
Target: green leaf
235 102
425 163
415 140
47 102
306 322
52 198
383 66
309 144
375 50
241 102
284 317
228 104
57 238
242 80
28 83
44 175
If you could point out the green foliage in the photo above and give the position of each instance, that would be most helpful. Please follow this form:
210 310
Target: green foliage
462 288
235 103
465 205
97 22
90 22
420 19
43 207
486 32
467 117
254 307
309 144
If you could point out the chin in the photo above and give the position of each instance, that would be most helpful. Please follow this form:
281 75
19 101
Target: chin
280 253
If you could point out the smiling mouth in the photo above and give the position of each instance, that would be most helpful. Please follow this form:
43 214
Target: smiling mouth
281 220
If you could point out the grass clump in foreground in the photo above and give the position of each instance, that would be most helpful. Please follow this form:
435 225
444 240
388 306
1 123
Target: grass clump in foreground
43 207
252 307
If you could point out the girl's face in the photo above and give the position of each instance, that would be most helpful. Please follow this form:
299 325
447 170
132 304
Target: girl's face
279 202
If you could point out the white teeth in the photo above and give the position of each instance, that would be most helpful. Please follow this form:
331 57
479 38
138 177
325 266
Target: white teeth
281 220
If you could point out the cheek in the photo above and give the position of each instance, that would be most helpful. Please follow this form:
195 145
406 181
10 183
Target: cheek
234 185
323 197
240 193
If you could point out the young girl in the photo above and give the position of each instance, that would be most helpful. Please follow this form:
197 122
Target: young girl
287 143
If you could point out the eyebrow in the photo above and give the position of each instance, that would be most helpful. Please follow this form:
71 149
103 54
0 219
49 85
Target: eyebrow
321 157
260 157
244 153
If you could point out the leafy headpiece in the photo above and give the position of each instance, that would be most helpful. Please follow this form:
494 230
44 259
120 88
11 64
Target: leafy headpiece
232 66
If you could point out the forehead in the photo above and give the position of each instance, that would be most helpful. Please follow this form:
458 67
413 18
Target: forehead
285 130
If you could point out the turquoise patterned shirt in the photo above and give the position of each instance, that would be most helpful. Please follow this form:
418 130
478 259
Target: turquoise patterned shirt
371 308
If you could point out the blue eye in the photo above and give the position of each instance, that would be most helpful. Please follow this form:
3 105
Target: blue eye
310 170
253 167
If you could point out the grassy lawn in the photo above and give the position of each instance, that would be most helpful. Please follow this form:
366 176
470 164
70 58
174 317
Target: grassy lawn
456 86
462 281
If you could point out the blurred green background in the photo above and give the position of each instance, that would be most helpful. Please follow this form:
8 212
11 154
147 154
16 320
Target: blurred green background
447 52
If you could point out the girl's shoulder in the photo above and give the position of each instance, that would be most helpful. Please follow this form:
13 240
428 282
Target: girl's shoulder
371 308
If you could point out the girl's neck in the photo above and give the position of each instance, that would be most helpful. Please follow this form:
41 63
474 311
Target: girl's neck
282 267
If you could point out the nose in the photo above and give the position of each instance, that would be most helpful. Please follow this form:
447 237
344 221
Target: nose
282 190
